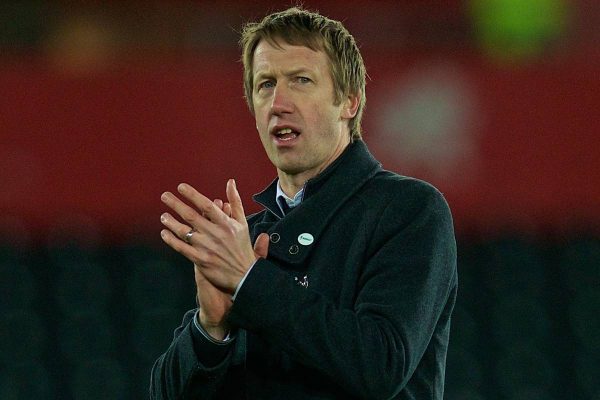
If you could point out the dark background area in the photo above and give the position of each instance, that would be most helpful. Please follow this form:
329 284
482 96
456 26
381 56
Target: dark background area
105 105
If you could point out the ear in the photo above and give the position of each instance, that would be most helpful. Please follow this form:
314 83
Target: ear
351 104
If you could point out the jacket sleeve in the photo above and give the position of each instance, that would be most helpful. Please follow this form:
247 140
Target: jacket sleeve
373 348
192 367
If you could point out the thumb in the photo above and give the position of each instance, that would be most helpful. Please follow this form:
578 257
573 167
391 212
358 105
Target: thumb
237 209
261 246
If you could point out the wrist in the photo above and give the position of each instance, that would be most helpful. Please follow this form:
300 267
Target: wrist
217 331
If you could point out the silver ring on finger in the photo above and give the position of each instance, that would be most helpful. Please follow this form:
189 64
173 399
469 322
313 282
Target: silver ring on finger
188 236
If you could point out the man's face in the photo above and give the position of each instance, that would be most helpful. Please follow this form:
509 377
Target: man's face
300 127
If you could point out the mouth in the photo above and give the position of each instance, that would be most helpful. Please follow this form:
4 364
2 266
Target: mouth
285 135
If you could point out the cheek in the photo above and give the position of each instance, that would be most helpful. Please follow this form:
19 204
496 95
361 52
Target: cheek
263 130
321 118
261 120
314 115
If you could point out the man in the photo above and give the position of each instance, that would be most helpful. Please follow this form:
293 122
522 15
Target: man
348 289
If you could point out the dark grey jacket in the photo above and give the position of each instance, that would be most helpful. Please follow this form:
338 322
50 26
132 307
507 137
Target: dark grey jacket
361 312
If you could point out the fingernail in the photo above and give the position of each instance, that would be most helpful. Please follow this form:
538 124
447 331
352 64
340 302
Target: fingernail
163 234
164 196
163 218
182 187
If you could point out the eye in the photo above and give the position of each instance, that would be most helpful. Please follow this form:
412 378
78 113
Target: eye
303 79
266 85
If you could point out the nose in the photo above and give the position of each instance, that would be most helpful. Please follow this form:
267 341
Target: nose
282 100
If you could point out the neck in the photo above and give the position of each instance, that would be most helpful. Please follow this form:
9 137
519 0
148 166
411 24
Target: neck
293 183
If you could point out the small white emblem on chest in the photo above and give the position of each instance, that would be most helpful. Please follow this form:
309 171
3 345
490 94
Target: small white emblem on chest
302 282
306 239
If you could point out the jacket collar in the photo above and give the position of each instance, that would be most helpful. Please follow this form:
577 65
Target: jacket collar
323 196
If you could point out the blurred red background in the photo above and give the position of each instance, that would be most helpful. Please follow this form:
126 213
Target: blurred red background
97 126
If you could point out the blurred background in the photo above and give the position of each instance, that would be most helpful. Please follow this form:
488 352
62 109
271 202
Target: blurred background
105 105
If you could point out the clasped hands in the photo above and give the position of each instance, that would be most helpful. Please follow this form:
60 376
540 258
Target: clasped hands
220 247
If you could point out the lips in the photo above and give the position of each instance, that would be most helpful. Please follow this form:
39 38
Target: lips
284 135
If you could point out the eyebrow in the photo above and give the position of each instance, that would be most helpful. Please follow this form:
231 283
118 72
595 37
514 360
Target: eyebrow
301 70
298 71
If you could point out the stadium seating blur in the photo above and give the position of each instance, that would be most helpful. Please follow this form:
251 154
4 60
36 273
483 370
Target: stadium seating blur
526 320
88 323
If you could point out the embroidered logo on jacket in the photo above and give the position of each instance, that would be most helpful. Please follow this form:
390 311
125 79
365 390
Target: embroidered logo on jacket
302 282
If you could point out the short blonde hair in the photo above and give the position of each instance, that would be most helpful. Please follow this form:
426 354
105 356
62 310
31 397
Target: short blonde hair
297 26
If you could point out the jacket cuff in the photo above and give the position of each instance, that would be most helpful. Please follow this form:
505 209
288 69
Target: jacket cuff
210 351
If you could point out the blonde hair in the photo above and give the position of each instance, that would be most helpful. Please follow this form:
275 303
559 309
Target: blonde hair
297 26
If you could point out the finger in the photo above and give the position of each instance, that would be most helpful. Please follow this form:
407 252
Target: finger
227 209
261 246
187 213
237 209
179 229
203 203
179 245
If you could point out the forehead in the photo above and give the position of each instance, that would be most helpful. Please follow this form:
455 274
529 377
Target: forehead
285 56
